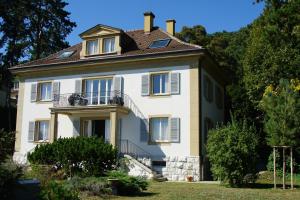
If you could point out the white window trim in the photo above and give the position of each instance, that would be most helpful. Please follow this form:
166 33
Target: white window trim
160 129
160 86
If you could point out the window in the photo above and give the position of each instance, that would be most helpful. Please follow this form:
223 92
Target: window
219 97
159 43
92 47
160 84
159 129
98 91
66 54
45 91
108 45
16 85
42 130
208 89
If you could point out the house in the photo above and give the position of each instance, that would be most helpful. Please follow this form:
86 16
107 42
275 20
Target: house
144 91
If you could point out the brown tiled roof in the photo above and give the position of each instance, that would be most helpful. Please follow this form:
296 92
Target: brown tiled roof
137 44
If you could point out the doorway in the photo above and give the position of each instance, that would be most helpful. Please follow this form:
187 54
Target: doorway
96 128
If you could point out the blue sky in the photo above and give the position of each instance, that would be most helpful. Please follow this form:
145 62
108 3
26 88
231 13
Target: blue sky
214 15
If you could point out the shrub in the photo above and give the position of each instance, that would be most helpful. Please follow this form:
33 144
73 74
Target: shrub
232 152
56 191
7 143
9 173
86 156
128 185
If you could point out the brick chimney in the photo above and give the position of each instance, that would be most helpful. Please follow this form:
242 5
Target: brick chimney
148 21
170 26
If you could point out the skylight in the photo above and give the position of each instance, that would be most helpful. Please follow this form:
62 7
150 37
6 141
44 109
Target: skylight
159 43
66 54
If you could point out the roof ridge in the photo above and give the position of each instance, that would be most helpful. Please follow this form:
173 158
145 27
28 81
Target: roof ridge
180 41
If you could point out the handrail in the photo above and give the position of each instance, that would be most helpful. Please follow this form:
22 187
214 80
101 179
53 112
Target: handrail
130 148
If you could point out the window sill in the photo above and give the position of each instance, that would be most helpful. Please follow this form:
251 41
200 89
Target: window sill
41 141
101 54
160 95
43 101
161 143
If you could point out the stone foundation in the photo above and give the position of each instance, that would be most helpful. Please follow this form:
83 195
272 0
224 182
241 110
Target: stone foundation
178 168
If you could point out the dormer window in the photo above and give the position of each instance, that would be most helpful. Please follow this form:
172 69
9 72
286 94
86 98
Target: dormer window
108 45
92 47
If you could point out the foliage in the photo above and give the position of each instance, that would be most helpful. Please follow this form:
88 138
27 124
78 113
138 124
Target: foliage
279 168
282 111
128 185
232 151
7 143
56 191
9 173
81 155
92 185
273 48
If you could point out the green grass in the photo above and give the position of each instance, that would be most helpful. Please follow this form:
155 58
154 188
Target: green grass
171 190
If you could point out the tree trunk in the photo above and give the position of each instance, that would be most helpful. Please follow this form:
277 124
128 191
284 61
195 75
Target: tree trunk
292 184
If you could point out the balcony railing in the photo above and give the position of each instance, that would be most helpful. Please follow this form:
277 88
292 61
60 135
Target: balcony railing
91 99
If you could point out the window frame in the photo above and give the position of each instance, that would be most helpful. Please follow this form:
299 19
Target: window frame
37 131
107 93
151 118
39 91
208 89
97 47
103 45
167 87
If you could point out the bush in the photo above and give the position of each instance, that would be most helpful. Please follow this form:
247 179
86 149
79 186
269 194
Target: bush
7 144
128 185
56 191
232 152
85 156
9 173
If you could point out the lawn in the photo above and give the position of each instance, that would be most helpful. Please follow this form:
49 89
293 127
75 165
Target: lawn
172 190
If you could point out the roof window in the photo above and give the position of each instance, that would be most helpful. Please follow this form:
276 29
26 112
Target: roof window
159 43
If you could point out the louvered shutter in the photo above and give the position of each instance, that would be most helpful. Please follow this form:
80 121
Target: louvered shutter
78 86
145 85
144 130
175 83
31 131
55 91
175 130
33 92
117 86
76 127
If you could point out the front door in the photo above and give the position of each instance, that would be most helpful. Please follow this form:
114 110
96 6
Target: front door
95 128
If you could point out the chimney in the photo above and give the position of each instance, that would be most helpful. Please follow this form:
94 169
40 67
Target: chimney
170 23
148 21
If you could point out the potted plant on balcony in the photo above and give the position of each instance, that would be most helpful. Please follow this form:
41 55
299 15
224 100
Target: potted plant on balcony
74 99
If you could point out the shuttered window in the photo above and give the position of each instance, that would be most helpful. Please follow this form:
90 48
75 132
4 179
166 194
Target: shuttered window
38 131
175 130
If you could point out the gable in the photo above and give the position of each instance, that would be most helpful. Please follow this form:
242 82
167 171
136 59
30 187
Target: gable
100 30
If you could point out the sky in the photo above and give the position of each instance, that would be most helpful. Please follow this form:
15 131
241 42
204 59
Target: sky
214 15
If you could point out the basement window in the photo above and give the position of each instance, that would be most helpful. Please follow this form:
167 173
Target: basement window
159 43
66 54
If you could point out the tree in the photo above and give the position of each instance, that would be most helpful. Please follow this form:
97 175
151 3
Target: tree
273 48
232 151
282 110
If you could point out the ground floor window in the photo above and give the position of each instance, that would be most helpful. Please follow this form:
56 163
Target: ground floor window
96 127
42 130
159 129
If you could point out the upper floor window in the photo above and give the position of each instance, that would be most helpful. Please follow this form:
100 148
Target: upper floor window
98 91
92 47
160 83
208 89
108 45
219 97
45 91
16 85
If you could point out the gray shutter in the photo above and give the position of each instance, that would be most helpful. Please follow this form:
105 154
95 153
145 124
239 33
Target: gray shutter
175 83
144 130
175 130
78 86
55 91
117 85
31 131
76 127
145 85
33 92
